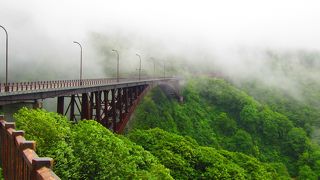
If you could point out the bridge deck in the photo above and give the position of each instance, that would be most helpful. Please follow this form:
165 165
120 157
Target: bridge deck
19 92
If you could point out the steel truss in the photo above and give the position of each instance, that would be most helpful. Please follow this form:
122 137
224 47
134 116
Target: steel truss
112 108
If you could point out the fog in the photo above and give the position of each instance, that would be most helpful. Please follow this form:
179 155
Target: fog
236 38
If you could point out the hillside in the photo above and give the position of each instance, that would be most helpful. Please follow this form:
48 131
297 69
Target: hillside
218 132
217 114
87 150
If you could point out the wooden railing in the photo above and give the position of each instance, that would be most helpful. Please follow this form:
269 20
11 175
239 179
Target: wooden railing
18 157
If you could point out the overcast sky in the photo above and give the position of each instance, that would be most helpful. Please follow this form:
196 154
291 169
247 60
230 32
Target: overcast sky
45 29
235 22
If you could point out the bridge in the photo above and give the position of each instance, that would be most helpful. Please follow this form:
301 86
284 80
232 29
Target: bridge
109 101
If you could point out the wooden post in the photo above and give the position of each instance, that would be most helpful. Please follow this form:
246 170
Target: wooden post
38 163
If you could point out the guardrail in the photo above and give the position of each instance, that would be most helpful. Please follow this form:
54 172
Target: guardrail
41 85
18 157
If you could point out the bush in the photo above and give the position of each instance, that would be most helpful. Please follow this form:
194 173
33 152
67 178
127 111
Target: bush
52 134
187 160
87 150
103 155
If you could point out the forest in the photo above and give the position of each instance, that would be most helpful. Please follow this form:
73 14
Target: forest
217 114
218 132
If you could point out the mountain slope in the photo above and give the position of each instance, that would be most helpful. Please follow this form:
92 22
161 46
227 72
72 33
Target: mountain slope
219 115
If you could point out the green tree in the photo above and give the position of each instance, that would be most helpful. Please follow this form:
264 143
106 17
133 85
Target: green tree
242 142
187 160
52 134
102 155
224 124
249 117
306 173
297 141
87 150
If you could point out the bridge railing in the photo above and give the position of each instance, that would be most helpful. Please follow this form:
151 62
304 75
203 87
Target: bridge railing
18 157
41 85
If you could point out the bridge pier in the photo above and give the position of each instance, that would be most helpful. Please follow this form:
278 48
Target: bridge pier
91 105
119 104
85 107
71 105
60 105
98 105
105 101
113 109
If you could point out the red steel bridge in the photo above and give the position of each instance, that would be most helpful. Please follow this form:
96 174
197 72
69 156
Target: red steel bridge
108 101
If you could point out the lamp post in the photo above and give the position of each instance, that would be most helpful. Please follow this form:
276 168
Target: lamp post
80 61
139 66
117 64
6 85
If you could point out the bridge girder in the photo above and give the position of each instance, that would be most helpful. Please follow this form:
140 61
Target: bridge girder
112 108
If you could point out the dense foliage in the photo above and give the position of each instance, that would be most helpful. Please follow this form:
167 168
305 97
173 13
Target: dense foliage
52 134
187 160
303 110
87 150
1 175
218 132
217 114
102 155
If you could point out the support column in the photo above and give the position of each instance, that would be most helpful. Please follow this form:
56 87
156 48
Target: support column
72 103
135 92
130 96
98 105
85 107
126 99
113 104
91 105
119 102
105 110
60 105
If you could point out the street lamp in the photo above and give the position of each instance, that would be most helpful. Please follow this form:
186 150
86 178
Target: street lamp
139 66
117 64
6 85
80 61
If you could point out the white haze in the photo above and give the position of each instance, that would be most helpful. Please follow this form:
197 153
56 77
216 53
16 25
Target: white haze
229 36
